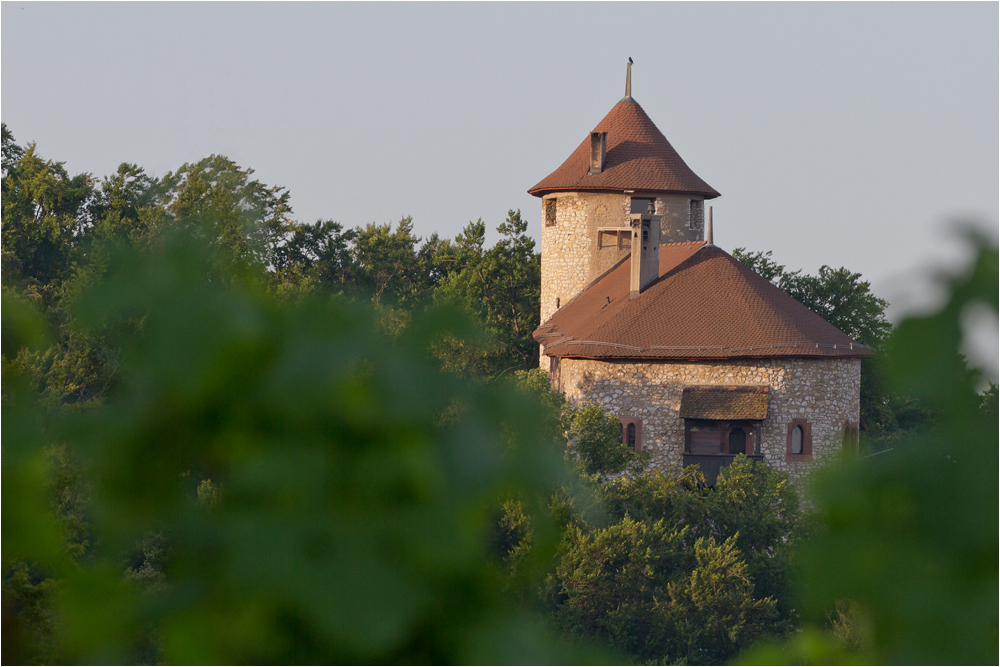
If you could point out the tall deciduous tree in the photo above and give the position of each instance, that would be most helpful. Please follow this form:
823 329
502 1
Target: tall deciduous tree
217 198
44 212
316 256
386 263
502 287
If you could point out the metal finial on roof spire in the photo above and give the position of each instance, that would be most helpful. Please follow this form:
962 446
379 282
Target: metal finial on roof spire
628 83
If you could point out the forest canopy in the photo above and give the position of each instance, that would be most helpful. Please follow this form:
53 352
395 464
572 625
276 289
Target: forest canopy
234 437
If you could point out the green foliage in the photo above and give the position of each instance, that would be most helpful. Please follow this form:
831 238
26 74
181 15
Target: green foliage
315 257
350 504
60 232
675 571
662 569
501 287
595 440
126 206
713 608
386 263
606 581
647 590
910 537
43 214
216 199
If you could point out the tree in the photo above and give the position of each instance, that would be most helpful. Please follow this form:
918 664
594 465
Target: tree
387 265
501 287
315 256
650 590
43 216
596 442
127 206
664 568
215 198
755 505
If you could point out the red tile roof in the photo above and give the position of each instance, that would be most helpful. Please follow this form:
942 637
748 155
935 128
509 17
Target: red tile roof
722 402
704 305
639 158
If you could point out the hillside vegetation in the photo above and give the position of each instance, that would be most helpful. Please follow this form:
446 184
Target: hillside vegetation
233 437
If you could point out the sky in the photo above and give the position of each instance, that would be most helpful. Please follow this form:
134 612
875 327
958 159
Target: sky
848 134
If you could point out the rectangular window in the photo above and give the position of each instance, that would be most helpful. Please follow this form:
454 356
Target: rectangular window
696 214
550 212
641 205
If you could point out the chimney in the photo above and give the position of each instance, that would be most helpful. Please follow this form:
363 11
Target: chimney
645 249
598 151
709 235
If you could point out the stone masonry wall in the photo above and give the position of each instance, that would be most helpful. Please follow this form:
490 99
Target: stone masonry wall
677 224
823 391
569 247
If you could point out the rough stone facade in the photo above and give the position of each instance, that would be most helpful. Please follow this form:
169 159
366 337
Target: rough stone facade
822 392
683 218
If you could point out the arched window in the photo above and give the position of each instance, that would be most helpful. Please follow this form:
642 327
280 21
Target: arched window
631 432
799 443
797 440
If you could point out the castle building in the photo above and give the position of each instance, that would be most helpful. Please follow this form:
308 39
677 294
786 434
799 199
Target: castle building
701 358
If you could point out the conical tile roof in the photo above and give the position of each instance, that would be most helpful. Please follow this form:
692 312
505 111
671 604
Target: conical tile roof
639 158
704 305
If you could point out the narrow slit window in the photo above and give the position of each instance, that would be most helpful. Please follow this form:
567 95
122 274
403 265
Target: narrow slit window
631 432
797 440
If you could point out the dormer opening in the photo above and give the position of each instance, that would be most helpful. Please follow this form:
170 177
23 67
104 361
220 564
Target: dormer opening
643 205
598 152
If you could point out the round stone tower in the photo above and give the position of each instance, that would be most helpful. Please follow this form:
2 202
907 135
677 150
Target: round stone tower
623 176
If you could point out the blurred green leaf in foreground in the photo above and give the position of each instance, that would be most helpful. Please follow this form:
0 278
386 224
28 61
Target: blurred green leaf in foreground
282 483
903 568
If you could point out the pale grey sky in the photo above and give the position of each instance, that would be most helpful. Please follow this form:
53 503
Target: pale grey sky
848 134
